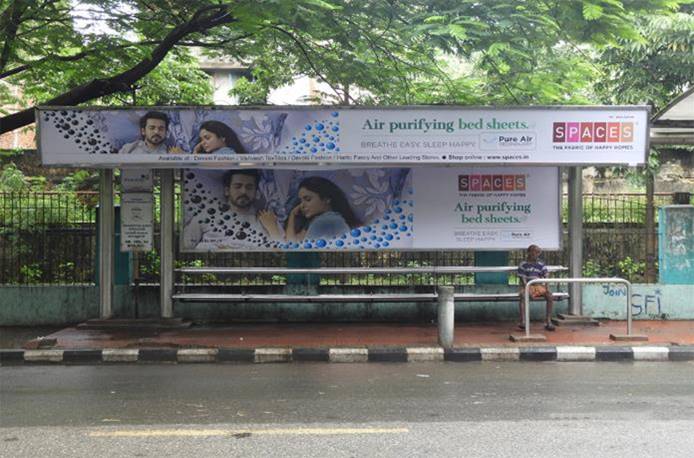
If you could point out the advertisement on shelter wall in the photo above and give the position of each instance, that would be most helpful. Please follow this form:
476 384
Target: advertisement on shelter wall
359 209
291 137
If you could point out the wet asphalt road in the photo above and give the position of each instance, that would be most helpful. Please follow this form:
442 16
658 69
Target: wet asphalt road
412 409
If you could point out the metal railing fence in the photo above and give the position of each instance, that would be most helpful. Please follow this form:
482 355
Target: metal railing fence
50 238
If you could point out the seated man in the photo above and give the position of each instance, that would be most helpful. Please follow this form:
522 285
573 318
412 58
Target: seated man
529 269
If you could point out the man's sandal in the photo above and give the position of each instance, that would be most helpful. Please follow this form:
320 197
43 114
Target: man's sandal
550 327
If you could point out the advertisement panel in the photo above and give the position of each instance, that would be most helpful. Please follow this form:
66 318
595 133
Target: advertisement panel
290 137
424 208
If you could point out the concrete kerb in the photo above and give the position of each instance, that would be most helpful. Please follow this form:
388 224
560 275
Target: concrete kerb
348 355
575 353
561 353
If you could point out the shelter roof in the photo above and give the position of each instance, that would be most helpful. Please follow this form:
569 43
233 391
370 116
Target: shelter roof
674 124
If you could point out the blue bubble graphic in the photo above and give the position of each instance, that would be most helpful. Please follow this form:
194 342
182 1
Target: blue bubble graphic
367 229
308 245
397 210
403 228
340 243
355 232
320 127
393 225
389 236
330 145
309 127
334 114
321 243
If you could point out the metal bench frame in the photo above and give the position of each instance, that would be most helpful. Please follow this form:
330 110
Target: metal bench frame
376 297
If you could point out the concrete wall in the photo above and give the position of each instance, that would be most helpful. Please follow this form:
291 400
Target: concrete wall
649 301
59 305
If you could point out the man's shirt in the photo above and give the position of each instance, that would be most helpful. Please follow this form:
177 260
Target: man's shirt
203 236
529 270
140 147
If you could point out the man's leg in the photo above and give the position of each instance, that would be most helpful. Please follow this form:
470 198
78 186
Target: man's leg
548 313
521 308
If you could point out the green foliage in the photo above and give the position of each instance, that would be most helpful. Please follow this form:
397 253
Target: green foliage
12 179
366 51
30 274
627 268
178 80
79 180
149 266
655 67
631 269
34 211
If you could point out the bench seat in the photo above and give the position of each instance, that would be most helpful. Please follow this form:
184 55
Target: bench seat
404 297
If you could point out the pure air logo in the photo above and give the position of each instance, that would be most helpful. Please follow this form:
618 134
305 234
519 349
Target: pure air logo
593 132
491 183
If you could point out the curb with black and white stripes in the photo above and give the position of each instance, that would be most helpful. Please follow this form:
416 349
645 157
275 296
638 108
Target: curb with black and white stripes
345 355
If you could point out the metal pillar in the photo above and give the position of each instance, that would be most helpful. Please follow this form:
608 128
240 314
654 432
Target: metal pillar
575 238
651 257
446 316
166 252
106 236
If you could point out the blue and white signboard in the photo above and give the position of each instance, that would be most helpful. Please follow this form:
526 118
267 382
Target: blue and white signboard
289 137
355 209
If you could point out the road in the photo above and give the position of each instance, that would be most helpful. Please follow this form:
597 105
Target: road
319 409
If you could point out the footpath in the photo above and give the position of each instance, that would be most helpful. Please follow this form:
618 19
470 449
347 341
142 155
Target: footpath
348 342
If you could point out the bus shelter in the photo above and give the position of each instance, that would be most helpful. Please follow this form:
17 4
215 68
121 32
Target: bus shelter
412 177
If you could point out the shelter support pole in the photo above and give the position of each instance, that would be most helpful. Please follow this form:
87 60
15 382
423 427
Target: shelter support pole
166 235
650 229
575 238
446 316
106 242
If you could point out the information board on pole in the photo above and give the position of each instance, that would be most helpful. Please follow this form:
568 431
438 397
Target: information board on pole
136 180
301 137
423 208
137 221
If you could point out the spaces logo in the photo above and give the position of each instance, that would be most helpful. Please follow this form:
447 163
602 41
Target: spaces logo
491 183
593 132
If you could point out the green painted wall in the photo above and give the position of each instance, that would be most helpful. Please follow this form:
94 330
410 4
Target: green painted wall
59 305
649 301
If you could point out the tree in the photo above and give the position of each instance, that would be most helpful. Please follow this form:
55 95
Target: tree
656 67
390 49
